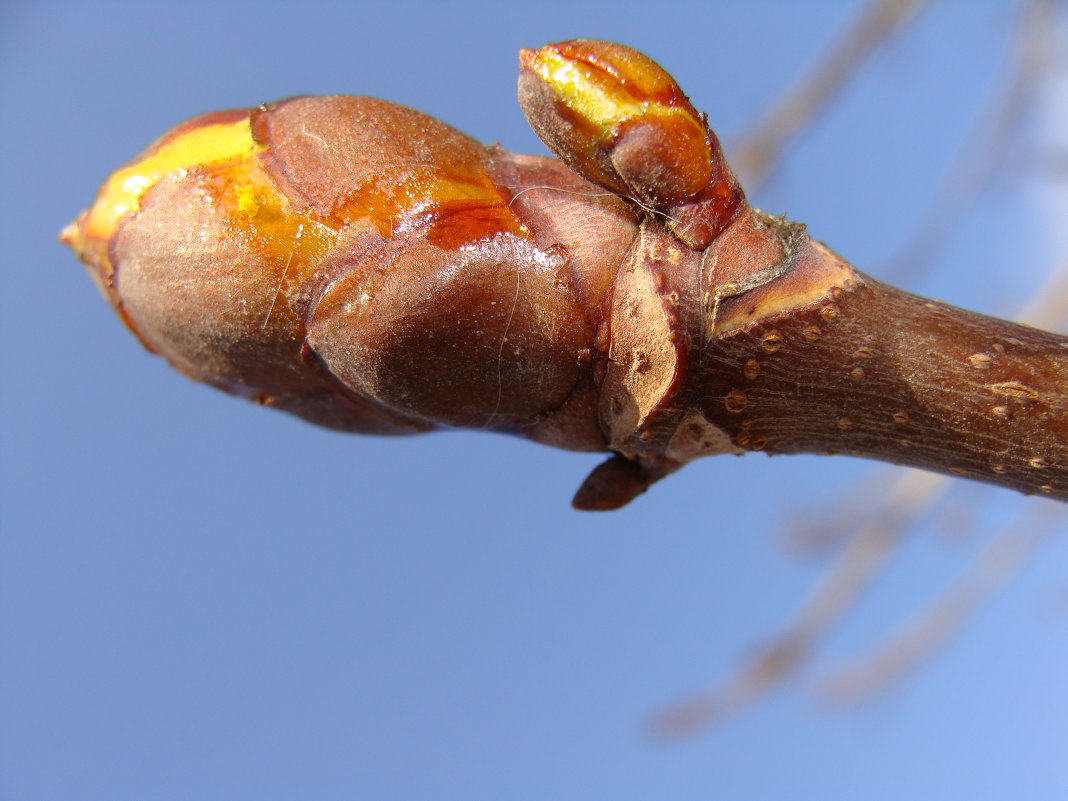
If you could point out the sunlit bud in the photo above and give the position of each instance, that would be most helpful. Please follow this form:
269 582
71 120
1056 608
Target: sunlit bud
618 118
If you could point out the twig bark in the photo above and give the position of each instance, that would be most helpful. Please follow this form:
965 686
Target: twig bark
903 379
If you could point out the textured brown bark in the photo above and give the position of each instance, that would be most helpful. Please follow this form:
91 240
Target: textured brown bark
876 372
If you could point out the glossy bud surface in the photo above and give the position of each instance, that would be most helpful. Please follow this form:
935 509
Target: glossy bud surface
617 117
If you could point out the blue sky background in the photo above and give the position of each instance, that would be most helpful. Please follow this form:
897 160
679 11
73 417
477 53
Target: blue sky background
200 599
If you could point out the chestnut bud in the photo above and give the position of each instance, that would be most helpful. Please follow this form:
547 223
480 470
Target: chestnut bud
618 118
363 266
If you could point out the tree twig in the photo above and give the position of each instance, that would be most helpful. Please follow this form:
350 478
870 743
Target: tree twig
984 153
918 639
760 150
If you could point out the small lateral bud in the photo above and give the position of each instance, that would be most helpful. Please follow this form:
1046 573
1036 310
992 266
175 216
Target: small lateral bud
618 118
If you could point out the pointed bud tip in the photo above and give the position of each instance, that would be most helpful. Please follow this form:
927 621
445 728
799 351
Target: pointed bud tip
66 236
73 235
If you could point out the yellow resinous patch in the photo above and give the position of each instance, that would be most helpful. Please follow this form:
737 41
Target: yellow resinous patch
596 101
254 206
198 147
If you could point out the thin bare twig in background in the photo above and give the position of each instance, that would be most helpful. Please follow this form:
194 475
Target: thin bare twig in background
852 572
755 159
902 652
984 153
760 151
909 498
852 511
1048 307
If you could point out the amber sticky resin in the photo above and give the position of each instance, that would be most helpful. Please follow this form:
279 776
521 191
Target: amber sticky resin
175 154
453 207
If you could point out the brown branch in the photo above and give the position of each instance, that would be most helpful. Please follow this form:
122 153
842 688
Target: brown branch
905 380
370 269
859 508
